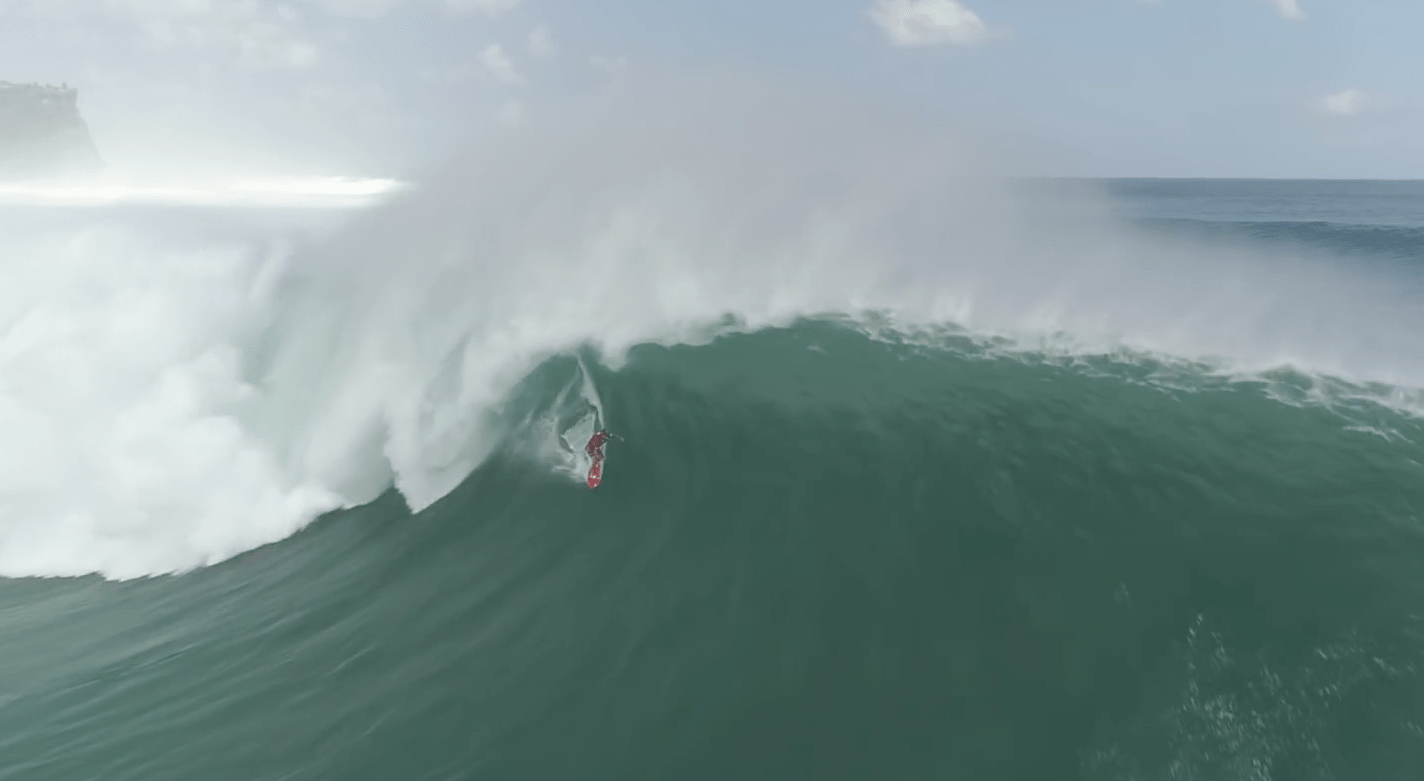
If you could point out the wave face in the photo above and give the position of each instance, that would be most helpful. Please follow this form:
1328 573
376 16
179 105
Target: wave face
818 554
926 472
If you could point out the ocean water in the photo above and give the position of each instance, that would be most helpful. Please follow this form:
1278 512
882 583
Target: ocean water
920 478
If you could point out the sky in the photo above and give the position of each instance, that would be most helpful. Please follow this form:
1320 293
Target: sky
1197 88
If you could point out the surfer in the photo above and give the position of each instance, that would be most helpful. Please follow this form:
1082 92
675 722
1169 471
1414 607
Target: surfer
594 449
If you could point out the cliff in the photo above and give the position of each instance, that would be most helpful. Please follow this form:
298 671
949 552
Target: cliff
41 132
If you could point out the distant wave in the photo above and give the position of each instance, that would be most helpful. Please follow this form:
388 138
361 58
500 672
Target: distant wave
1320 237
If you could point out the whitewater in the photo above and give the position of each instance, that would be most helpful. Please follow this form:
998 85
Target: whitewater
190 372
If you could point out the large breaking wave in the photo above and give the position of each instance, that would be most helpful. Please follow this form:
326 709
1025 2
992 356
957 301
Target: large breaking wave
175 390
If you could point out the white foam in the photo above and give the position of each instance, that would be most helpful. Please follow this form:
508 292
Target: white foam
164 405
122 448
271 192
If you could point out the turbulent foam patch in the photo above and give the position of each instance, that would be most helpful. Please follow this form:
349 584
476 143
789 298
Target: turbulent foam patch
121 392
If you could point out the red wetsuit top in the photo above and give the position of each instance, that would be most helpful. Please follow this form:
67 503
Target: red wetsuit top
595 444
594 449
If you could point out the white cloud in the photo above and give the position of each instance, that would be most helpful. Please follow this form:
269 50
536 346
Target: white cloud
369 9
375 8
511 114
608 64
499 65
541 44
1344 103
929 22
487 7
260 35
262 32
1288 9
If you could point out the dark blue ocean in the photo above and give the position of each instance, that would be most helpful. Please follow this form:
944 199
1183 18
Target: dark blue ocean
1144 507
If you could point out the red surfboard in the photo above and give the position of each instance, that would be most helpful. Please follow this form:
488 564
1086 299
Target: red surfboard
594 449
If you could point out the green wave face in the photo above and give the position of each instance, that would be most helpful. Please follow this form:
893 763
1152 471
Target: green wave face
816 555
